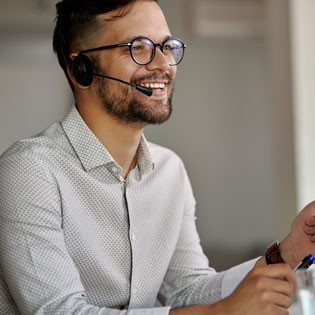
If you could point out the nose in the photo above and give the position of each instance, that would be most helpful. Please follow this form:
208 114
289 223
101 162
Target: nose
159 62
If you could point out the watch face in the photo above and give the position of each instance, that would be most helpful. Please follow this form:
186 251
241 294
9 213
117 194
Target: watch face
273 254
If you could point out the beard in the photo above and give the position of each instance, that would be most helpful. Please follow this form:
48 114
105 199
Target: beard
126 108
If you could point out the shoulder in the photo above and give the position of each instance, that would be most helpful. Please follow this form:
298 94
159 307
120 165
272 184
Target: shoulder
28 176
171 167
39 152
161 154
167 161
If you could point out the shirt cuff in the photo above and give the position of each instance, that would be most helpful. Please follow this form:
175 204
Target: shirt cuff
150 311
234 276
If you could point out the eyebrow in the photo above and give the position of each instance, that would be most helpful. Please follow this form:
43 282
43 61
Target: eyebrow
129 39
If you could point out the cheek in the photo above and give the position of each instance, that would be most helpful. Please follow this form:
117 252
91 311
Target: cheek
123 68
173 71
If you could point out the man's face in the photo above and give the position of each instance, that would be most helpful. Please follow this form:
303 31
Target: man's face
144 19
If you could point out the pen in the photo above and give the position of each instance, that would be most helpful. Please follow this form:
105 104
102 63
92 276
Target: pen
305 263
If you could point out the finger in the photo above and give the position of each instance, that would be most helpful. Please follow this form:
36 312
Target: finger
279 299
312 238
310 221
275 309
309 229
281 311
281 287
267 285
282 300
277 271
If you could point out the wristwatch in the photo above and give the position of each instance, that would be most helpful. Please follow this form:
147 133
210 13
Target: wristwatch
273 255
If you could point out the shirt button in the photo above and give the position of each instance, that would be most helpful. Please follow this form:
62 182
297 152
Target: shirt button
134 291
133 237
114 169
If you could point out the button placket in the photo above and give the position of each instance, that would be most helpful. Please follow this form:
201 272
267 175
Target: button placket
134 291
114 169
133 237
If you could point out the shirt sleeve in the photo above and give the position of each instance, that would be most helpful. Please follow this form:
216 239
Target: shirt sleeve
190 280
234 276
37 269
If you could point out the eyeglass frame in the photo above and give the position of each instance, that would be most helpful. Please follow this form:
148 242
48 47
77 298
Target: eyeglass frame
129 44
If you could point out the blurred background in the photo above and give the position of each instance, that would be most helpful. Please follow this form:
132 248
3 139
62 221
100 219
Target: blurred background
243 109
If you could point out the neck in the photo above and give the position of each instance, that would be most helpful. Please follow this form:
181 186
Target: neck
121 140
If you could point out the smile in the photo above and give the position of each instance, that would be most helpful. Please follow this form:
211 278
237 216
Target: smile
154 85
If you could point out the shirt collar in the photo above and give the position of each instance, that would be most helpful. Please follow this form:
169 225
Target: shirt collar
91 151
145 161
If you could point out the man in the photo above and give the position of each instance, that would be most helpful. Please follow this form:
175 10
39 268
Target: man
96 220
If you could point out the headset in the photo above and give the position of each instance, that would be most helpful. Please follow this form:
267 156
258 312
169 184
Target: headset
83 71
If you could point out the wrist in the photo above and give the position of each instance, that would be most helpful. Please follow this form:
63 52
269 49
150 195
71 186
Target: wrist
287 252
261 262
196 310
222 307
282 252
273 255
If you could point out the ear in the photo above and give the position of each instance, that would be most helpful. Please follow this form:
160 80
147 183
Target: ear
72 77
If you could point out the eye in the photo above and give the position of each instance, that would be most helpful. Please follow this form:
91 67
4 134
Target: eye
172 45
168 46
137 46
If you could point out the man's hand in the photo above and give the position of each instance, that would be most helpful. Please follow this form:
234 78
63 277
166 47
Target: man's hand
301 240
265 290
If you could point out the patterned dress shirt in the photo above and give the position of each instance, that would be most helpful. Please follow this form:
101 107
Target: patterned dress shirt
76 238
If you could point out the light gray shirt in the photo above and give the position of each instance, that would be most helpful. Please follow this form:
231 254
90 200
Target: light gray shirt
76 238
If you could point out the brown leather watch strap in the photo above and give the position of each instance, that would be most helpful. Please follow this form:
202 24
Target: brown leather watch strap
273 255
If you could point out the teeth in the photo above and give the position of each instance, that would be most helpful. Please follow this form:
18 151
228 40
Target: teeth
154 85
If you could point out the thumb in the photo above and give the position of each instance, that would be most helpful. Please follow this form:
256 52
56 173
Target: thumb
310 220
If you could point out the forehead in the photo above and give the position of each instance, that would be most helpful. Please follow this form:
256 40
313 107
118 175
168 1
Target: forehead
143 18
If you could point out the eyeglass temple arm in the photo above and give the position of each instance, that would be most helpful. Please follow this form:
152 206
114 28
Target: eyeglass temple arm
104 48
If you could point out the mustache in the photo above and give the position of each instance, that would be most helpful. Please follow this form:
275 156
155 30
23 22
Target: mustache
151 77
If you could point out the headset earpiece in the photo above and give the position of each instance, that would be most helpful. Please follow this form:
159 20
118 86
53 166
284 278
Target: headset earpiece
82 70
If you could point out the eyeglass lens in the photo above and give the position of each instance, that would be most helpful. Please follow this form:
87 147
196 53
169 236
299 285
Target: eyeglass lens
142 51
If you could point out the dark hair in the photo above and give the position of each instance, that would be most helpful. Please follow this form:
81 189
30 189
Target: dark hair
76 20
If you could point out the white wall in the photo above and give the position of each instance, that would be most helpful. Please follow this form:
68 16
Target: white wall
303 48
280 76
225 126
33 90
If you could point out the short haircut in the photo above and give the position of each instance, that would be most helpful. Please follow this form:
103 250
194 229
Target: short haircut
76 20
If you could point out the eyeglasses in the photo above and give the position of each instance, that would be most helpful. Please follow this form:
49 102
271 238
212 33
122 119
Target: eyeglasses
142 50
